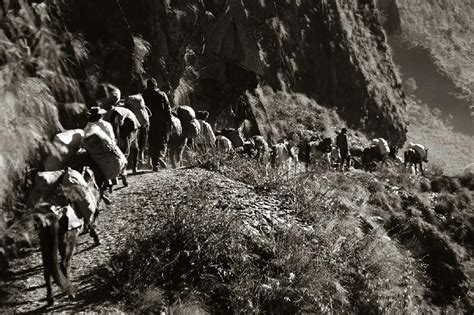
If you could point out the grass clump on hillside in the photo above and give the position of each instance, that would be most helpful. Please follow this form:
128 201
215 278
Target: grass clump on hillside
296 116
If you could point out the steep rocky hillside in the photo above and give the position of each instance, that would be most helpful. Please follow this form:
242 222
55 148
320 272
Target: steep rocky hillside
432 44
209 53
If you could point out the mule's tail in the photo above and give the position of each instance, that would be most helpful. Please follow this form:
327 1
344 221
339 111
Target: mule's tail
49 251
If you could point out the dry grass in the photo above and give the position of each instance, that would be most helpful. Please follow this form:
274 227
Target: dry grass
199 252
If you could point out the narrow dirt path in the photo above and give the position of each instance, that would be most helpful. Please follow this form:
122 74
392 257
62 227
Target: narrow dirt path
114 225
134 206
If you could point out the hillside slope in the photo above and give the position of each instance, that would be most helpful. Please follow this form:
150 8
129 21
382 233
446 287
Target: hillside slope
194 239
432 44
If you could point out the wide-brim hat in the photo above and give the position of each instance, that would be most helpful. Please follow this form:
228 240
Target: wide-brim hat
96 110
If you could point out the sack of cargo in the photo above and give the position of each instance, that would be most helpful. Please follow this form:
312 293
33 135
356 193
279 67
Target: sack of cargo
374 142
185 114
235 136
418 148
206 136
64 146
45 185
383 146
79 193
136 104
191 129
176 128
105 153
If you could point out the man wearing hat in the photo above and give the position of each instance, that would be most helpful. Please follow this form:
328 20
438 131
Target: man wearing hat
343 144
96 115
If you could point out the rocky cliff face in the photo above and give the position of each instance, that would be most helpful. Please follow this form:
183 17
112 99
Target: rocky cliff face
209 53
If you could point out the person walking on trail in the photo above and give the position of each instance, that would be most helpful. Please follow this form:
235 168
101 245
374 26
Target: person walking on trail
160 123
342 143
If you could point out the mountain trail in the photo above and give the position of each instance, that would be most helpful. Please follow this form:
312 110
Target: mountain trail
148 194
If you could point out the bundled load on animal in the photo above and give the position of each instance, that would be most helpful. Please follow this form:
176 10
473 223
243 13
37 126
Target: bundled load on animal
383 146
136 104
189 123
192 129
420 149
206 138
105 153
235 136
68 184
223 144
176 128
64 146
80 195
185 113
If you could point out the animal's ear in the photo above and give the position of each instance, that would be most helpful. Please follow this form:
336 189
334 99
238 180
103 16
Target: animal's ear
426 150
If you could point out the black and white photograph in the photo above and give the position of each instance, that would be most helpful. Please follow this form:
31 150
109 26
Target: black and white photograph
198 157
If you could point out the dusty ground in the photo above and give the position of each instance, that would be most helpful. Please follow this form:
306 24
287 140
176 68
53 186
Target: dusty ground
136 205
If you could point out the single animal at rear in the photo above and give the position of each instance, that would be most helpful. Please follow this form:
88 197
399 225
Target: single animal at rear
65 203
414 158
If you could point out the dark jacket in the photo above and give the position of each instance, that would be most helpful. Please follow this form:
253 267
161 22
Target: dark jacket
342 143
160 109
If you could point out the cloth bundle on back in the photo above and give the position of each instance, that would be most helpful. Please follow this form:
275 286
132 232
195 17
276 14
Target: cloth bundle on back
105 153
136 104
383 146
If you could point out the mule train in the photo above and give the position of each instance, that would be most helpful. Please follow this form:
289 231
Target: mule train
101 142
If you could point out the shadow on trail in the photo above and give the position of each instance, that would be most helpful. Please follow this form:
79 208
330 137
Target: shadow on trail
90 293
24 274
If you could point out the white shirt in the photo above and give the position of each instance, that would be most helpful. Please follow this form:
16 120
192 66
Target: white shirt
105 126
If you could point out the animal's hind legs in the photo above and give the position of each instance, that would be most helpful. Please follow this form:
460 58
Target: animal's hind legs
94 235
49 290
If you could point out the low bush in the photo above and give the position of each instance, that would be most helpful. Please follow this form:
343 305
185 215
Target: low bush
445 184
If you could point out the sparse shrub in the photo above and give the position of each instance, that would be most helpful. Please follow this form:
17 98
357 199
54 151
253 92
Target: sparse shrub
467 180
446 204
445 184
376 187
425 185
